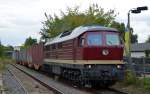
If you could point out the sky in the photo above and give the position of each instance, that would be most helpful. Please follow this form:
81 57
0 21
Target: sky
20 19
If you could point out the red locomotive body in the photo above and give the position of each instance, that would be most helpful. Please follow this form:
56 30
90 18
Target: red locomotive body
88 45
92 54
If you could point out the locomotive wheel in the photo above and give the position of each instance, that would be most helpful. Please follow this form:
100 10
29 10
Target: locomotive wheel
101 84
80 81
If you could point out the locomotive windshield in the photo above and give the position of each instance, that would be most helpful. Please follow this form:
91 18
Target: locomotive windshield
112 39
94 39
101 39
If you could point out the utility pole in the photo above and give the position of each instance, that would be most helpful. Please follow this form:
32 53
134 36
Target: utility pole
135 11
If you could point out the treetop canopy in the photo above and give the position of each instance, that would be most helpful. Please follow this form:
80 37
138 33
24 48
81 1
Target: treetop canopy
73 18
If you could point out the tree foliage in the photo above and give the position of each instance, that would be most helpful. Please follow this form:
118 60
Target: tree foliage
9 48
1 50
4 49
94 15
28 42
134 37
147 53
148 40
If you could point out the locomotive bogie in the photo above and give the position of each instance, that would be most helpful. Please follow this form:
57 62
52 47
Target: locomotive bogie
87 74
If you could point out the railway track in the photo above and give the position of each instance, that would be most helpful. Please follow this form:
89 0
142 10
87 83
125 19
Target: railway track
30 85
16 85
56 87
20 84
55 91
60 88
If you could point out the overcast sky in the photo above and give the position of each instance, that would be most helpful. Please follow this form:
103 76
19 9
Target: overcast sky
20 19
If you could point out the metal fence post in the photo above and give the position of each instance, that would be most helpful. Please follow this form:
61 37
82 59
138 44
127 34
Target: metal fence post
131 64
144 67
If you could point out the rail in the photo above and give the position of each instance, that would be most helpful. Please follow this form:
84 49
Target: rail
55 90
21 86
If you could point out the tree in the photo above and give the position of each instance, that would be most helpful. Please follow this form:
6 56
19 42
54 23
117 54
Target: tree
148 40
28 42
4 50
9 48
147 53
1 50
94 15
134 37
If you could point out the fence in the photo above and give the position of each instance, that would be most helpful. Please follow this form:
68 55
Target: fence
141 66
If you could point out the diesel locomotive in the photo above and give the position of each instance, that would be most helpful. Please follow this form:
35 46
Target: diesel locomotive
88 55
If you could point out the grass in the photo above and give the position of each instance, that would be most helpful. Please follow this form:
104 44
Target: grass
142 84
4 61
146 84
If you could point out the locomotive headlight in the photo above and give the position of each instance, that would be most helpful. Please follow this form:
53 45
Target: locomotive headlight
118 66
105 52
89 66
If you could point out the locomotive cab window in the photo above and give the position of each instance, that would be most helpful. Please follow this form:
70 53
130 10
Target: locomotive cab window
112 39
94 39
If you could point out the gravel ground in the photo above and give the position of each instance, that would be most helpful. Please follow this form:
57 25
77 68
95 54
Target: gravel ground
31 85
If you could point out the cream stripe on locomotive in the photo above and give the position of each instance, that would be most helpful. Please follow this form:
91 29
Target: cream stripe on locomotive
85 61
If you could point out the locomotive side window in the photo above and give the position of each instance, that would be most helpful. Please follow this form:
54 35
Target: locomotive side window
81 42
94 39
112 39
59 45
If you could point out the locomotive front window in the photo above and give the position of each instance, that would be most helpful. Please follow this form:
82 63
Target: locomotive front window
112 39
94 39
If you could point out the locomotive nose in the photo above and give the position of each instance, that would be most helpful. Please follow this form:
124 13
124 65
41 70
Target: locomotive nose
103 53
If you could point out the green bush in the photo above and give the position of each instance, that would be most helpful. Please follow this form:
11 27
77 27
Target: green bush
146 83
130 78
5 61
1 64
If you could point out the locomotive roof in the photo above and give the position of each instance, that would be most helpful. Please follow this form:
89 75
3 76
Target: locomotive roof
64 36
